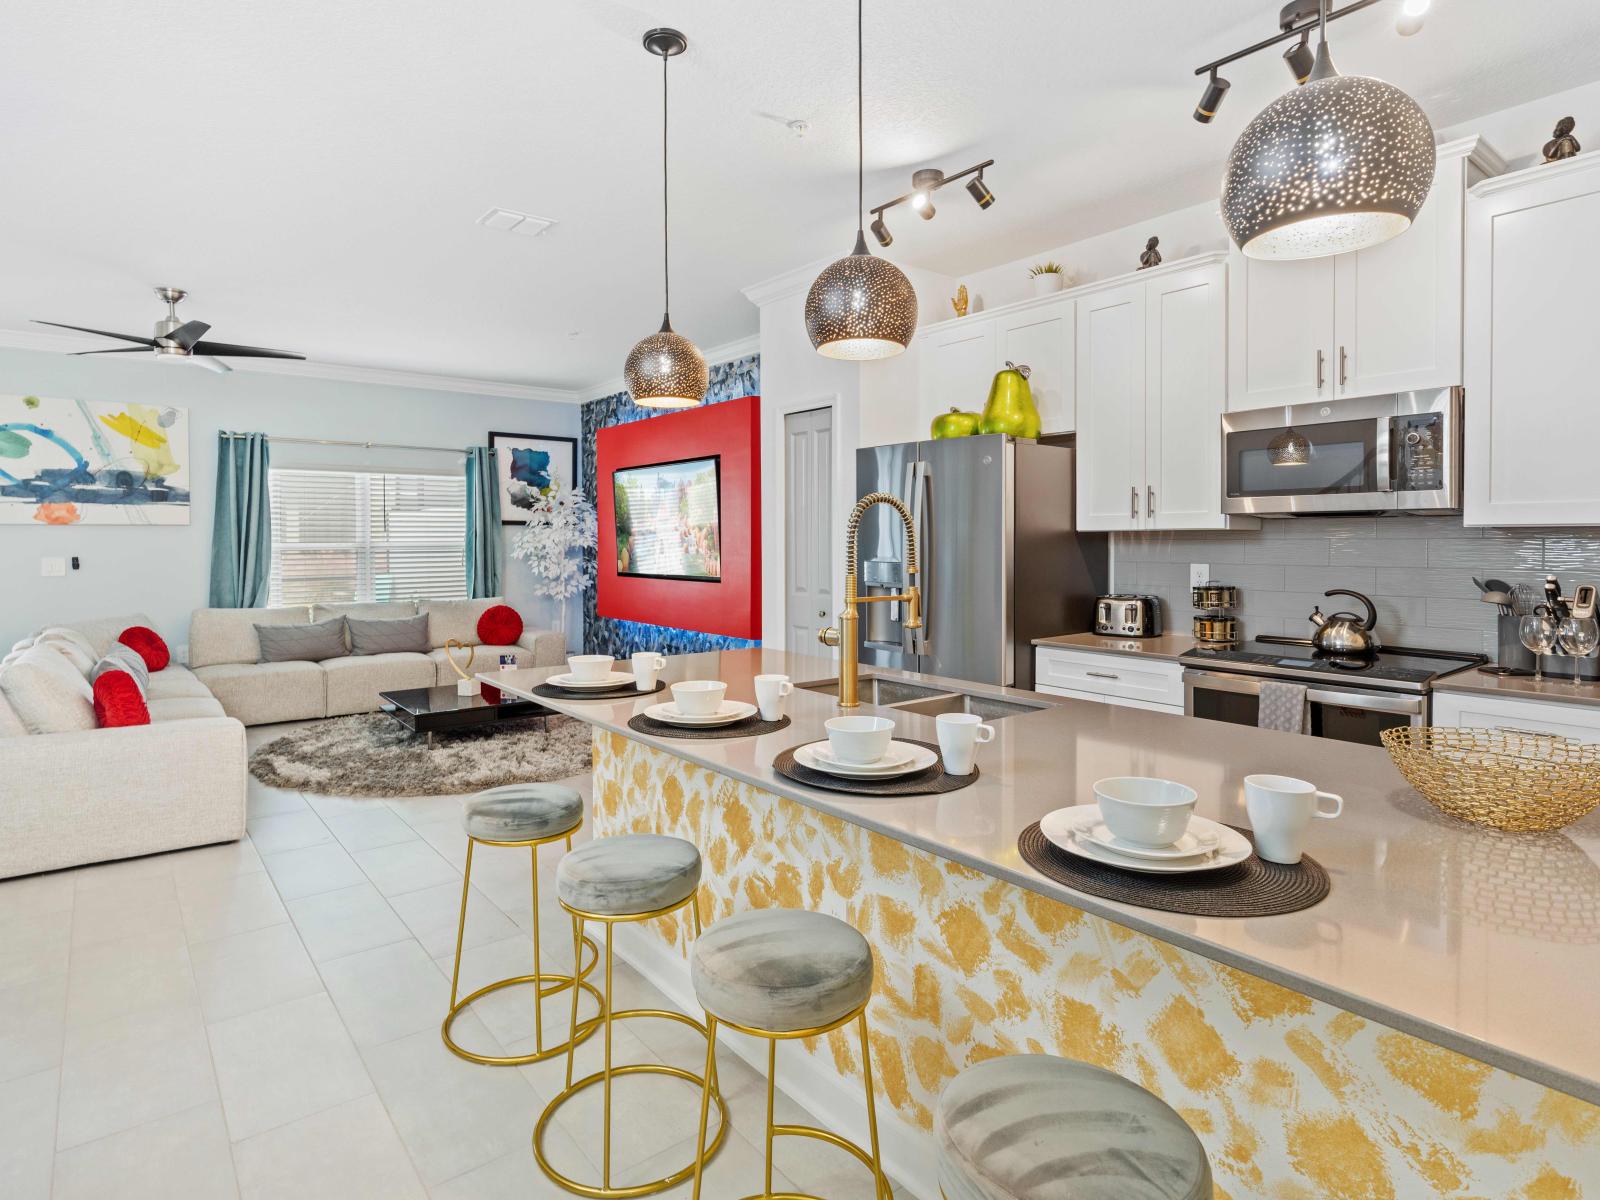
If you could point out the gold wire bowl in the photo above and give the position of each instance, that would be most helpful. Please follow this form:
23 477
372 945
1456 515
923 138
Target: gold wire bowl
1502 778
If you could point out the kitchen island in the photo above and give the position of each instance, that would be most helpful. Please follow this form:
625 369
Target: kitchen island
1428 1029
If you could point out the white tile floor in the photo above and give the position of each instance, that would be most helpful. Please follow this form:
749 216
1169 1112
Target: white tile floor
261 1019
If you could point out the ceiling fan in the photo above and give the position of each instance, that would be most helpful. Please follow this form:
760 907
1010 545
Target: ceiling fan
179 341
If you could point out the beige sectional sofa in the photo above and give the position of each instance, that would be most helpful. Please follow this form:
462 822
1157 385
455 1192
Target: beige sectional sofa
224 649
71 793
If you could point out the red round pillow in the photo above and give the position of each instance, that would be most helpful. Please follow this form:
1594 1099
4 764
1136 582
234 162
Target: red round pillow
499 626
148 644
118 701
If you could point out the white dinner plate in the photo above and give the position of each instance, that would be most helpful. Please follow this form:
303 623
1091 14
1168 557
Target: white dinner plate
572 683
1065 829
729 712
1193 842
920 759
896 756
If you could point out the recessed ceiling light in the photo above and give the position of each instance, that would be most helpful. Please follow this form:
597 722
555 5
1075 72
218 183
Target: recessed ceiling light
511 221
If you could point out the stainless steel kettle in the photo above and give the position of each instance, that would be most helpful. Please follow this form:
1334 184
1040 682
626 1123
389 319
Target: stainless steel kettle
1342 632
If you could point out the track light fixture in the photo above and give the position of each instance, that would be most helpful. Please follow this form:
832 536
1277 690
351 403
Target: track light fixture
1300 58
924 183
1411 16
1216 90
881 232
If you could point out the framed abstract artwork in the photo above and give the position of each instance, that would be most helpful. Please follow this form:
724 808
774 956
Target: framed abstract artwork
92 462
529 464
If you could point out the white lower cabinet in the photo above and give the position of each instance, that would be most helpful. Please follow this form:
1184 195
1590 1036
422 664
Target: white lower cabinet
1121 679
1581 722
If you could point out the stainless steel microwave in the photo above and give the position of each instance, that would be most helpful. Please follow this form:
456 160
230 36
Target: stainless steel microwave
1400 452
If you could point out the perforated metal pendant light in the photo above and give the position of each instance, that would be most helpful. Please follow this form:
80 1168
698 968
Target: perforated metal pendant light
861 307
1337 164
666 369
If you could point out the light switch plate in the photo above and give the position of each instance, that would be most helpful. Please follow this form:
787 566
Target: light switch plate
52 567
1199 574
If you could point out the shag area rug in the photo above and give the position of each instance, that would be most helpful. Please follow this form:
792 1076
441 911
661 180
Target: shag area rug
374 755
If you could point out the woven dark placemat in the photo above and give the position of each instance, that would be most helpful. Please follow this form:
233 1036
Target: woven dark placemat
929 782
1253 888
624 691
748 727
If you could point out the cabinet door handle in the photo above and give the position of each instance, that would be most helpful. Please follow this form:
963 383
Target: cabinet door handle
1149 501
1319 370
1344 367
1133 503
1101 675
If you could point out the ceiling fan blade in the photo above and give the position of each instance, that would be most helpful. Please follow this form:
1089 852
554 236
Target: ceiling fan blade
187 334
211 364
233 351
126 337
115 350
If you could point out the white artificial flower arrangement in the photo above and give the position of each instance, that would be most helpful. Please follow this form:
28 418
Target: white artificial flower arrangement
561 525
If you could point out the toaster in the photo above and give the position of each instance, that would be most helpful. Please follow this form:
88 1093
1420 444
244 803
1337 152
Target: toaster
1127 616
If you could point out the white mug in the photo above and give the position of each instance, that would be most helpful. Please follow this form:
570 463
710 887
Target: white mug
959 735
645 665
770 692
1281 809
589 668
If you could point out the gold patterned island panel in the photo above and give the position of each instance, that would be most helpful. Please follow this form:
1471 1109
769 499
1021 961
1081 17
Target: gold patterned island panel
1293 1098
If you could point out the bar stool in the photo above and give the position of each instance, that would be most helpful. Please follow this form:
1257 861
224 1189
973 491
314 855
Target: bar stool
781 974
632 877
531 815
1038 1127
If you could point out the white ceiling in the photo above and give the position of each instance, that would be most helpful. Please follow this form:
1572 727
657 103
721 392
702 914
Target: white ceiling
312 171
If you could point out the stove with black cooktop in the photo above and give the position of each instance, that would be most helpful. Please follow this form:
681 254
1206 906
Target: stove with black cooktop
1395 668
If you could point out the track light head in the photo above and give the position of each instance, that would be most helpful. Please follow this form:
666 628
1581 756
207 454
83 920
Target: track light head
1216 89
979 191
1300 59
881 231
925 210
1411 16
920 200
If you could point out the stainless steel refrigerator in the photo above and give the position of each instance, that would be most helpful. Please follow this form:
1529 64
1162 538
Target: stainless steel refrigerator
999 560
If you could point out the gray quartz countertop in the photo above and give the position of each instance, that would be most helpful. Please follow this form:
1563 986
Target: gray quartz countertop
1169 646
1520 687
1481 941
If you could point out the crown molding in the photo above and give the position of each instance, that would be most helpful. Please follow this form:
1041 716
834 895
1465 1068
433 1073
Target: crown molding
52 343
781 287
1576 165
726 352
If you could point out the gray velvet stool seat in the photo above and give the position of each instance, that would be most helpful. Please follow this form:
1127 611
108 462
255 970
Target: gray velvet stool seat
517 815
1038 1127
781 974
630 878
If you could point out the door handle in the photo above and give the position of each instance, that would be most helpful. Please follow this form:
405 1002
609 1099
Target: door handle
1344 367
1133 504
1149 500
822 612
1320 357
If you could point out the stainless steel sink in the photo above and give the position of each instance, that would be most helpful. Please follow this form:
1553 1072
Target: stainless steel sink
924 700
876 690
986 707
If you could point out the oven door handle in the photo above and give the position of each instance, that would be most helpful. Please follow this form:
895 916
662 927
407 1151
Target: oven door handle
1245 685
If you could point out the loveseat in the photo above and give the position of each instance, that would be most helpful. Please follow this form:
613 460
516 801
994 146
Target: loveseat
71 793
224 653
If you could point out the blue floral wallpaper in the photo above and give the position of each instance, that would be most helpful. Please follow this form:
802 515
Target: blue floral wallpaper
602 635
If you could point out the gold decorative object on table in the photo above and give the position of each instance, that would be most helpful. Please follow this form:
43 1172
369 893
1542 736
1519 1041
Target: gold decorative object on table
466 685
1502 778
959 301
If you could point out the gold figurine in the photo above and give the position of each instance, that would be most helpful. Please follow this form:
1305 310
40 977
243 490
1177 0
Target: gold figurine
959 303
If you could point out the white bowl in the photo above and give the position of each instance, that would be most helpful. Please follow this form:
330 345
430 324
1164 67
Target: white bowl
699 697
1147 812
859 741
590 668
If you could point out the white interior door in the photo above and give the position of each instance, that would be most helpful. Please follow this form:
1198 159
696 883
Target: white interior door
808 518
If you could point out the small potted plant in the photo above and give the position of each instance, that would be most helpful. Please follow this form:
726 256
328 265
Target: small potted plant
1047 277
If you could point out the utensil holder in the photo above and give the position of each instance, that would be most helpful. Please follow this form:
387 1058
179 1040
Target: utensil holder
1512 653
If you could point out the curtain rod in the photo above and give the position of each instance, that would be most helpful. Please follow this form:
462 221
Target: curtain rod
357 445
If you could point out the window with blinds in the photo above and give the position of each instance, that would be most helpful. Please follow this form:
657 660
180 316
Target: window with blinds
342 535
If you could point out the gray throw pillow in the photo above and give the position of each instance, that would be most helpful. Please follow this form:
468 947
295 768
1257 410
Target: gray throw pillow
302 643
388 635
123 658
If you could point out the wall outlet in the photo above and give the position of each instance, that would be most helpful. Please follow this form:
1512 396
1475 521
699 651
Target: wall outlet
52 567
1199 573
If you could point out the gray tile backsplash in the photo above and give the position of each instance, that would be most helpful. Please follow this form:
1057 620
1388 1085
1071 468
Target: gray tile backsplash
1418 571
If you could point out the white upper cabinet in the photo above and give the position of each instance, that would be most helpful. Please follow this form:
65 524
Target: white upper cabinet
1532 292
1384 319
1043 339
1186 384
956 370
1111 409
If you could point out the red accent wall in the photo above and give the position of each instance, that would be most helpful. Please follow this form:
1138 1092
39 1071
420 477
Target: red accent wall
731 606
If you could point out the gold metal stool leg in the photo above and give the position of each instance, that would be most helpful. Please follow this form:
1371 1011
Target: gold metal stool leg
545 984
610 1072
871 1160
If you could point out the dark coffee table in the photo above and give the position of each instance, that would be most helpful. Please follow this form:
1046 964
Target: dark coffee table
442 710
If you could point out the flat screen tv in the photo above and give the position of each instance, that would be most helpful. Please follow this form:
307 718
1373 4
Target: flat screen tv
669 520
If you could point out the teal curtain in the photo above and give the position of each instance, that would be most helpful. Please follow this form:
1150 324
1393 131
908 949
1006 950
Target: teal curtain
241 533
484 548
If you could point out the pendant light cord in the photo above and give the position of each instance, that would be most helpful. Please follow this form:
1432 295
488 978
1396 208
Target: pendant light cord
666 262
861 143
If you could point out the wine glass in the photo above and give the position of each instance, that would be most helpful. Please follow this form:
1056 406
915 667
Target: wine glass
1538 634
1578 637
